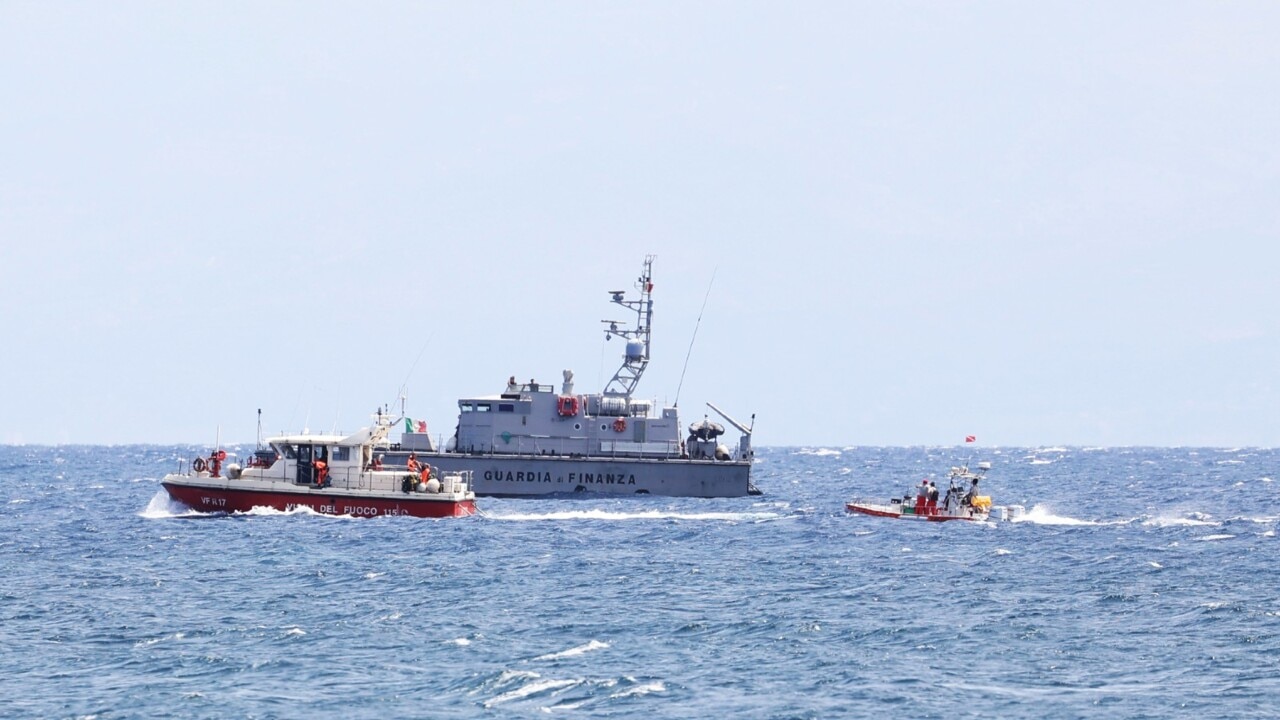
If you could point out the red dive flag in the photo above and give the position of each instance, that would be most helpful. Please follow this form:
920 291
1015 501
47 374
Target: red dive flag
970 438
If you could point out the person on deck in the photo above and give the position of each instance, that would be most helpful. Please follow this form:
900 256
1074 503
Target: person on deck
321 469
931 502
922 495
412 462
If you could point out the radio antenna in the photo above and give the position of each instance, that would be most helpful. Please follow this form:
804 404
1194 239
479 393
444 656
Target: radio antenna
695 336
404 385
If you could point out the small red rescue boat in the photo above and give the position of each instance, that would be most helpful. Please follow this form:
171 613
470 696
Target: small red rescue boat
331 474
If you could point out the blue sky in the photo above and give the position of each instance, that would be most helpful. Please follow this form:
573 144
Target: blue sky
1038 223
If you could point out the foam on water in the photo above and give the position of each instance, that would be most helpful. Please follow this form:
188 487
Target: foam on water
574 651
820 452
1194 519
163 506
1043 515
536 686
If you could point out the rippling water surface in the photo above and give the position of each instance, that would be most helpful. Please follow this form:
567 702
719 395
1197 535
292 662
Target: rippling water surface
1141 584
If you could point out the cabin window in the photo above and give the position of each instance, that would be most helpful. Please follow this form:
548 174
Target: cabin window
342 454
483 407
289 451
506 407
466 407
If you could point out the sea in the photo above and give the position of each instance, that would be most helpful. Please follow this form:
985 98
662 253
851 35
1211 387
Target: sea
1140 583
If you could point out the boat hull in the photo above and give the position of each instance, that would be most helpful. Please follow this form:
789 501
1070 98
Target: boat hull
205 497
533 475
899 512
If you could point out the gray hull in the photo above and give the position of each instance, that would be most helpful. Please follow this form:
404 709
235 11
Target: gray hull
532 475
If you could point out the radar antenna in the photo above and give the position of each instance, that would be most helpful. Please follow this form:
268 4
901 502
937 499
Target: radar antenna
636 355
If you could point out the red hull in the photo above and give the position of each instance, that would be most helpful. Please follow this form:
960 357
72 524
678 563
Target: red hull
204 499
889 512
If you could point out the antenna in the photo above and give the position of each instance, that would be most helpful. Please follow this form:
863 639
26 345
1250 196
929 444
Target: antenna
259 445
404 384
635 356
695 336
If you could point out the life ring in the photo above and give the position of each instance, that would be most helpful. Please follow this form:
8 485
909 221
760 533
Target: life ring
619 425
198 465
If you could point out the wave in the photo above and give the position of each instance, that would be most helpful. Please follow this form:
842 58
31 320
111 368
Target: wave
153 641
653 687
1259 520
819 452
643 515
162 506
536 686
1215 537
1195 519
574 651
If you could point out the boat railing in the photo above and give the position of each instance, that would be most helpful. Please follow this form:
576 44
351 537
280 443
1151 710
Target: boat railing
393 480
575 446
352 478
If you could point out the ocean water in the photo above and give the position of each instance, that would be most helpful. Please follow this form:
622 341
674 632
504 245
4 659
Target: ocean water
1142 583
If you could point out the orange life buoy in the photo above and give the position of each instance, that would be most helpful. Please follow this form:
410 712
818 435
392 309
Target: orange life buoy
619 425
198 465
221 455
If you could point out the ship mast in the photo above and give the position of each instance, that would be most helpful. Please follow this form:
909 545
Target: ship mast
636 356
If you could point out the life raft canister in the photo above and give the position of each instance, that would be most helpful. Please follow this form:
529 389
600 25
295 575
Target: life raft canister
619 425
567 406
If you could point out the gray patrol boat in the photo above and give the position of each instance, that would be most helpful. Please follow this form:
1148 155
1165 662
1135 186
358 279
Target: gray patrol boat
531 440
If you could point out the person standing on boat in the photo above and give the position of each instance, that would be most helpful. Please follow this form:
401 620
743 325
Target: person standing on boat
931 502
412 462
321 469
922 496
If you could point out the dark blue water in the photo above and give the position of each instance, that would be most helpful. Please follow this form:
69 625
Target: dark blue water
1143 584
